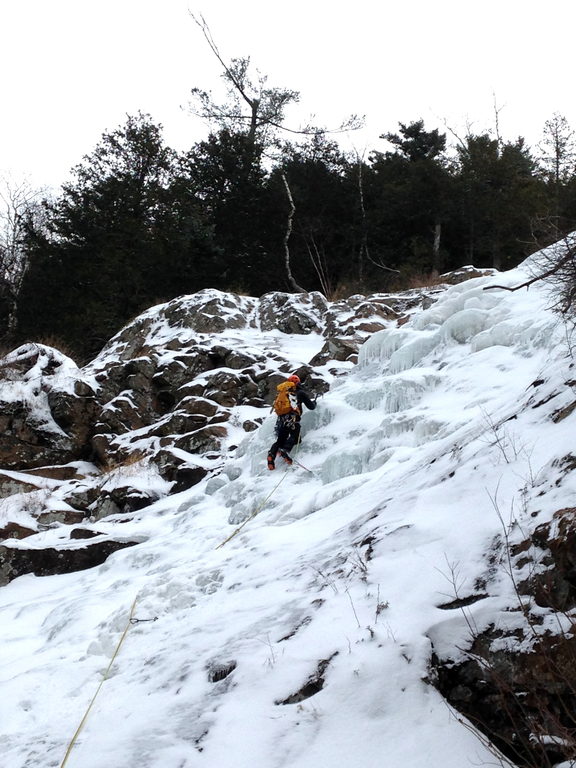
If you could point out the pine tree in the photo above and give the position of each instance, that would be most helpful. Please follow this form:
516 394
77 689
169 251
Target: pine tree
409 196
500 196
109 249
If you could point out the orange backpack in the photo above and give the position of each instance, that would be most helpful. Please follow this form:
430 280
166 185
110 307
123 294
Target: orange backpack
286 400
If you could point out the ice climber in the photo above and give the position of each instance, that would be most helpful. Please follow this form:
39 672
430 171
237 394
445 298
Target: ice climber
288 407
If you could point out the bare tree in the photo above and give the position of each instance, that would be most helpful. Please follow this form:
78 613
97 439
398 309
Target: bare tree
558 154
258 109
251 105
18 201
364 251
558 148
497 111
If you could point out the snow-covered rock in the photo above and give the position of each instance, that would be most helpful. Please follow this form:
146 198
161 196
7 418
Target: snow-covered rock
184 380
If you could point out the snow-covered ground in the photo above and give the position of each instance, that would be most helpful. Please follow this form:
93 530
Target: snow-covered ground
304 640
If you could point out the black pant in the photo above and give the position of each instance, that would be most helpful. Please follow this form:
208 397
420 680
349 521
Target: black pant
287 435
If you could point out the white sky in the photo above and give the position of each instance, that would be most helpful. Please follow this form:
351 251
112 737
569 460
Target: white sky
73 69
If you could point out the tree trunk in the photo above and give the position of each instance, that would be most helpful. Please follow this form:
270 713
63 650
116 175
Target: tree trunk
436 266
364 239
291 213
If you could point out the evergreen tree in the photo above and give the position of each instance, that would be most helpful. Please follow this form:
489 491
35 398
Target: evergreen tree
226 175
409 198
500 197
113 244
324 239
252 117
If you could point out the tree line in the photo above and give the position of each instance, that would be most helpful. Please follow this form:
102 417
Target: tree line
248 211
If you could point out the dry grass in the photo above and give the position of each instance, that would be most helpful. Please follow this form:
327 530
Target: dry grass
59 345
423 280
120 462
344 290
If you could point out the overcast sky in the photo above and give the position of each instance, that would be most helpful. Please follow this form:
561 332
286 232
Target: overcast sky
72 69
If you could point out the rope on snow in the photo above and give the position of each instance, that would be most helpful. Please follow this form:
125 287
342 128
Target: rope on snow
104 678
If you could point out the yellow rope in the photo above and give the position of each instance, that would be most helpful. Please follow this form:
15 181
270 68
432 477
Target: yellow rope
253 515
104 678
262 505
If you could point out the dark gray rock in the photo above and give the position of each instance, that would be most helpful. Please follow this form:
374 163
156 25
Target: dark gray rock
11 485
50 561
16 531
341 349
292 313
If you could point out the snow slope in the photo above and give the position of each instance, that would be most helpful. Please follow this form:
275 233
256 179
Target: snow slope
305 639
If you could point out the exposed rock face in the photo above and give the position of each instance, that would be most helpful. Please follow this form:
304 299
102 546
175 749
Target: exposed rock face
179 388
15 531
340 349
28 442
360 313
45 409
45 562
12 483
523 700
554 587
465 273
517 681
293 313
173 375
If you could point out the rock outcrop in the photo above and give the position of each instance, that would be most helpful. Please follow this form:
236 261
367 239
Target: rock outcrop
16 562
171 378
167 397
515 679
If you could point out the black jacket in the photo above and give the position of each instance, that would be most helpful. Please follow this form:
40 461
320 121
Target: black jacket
304 397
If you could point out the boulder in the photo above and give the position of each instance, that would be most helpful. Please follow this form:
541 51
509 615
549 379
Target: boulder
359 313
61 516
15 531
84 533
98 501
75 415
207 439
28 439
341 349
465 273
15 562
209 311
200 406
181 369
231 358
74 471
10 485
176 470
292 313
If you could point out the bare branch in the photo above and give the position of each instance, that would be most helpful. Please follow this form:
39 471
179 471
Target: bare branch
232 75
265 105
497 111
318 262
556 268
